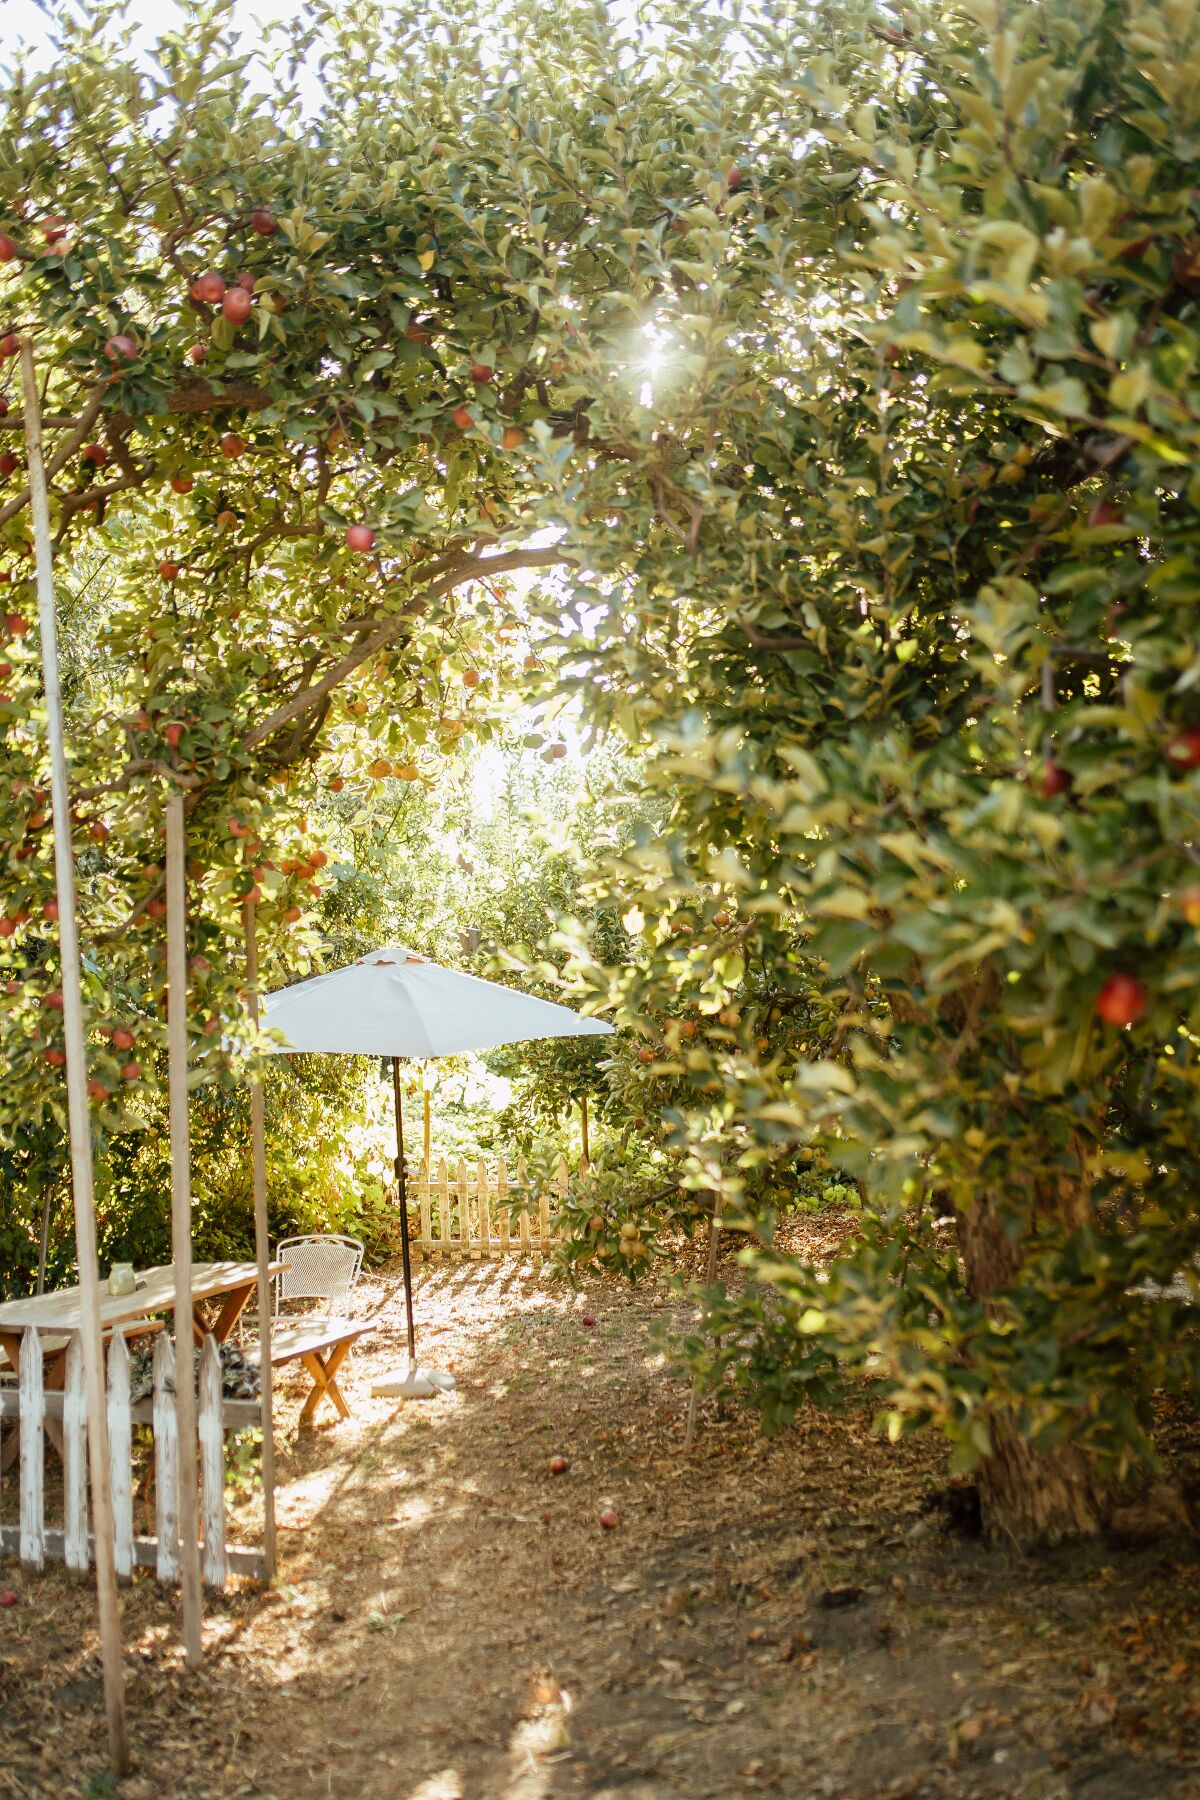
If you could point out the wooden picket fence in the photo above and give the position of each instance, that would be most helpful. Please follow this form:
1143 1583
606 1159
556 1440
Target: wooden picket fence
62 1414
469 1214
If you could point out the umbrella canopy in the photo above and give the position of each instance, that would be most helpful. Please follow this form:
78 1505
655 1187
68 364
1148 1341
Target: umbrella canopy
396 1003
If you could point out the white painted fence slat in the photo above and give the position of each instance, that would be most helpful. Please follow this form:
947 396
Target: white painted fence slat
33 1548
212 1466
120 1432
166 1469
75 1495
464 1211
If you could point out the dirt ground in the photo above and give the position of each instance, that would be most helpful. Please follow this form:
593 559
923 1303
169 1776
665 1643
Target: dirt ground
451 1621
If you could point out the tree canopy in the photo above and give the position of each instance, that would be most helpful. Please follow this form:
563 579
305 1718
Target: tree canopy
828 378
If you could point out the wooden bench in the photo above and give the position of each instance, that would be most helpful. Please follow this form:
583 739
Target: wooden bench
322 1345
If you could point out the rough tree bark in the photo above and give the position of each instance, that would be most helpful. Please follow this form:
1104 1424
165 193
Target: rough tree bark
1034 1498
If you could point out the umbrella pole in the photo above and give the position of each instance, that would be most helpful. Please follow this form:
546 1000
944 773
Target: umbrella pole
412 1383
402 1186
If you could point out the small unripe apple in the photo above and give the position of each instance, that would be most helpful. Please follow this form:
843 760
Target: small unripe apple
209 287
120 348
264 222
1184 749
8 247
610 1518
463 418
1122 1000
168 569
232 445
481 372
182 484
237 306
360 538
559 1465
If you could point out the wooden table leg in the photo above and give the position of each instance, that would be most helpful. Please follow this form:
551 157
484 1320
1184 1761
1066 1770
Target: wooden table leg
231 1311
323 1374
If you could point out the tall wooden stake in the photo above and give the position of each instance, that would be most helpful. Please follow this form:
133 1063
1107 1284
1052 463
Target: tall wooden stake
262 1254
77 1097
714 1226
583 1129
181 1227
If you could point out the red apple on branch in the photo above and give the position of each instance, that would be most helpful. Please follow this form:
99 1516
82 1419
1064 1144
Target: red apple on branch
232 445
463 418
9 463
10 344
1122 1000
210 288
264 222
122 1038
182 484
94 453
8 247
1184 749
481 372
168 569
237 306
120 348
1055 780
56 1058
198 353
360 538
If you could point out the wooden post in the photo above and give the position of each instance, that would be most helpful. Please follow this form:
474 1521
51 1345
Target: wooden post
181 1229
485 1210
428 1122
79 1126
262 1255
583 1129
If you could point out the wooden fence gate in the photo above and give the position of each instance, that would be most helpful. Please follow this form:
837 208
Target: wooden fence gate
470 1214
61 1415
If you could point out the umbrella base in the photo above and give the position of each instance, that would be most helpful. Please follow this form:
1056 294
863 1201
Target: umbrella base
415 1382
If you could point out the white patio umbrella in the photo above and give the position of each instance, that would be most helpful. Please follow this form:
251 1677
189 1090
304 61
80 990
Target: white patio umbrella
394 1003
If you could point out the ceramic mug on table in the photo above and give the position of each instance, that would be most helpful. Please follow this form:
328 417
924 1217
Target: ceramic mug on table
121 1279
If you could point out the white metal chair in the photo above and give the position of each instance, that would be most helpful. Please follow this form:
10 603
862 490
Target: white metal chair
320 1266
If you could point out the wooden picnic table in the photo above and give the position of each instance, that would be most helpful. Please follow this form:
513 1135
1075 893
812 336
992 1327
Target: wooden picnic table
228 1285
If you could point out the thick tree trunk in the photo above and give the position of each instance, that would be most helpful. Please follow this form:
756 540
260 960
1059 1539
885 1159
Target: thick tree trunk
1027 1496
